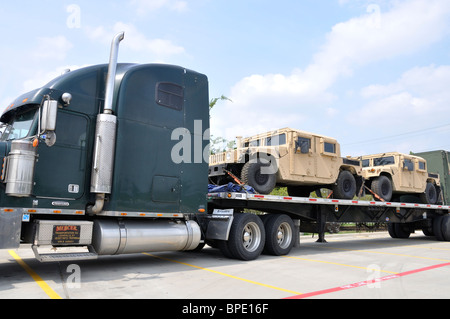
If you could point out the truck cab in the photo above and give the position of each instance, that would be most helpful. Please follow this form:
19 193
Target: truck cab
95 146
392 174
302 161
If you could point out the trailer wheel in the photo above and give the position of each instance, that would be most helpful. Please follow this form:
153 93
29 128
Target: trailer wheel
437 227
345 187
399 230
247 237
382 186
441 227
279 235
262 183
430 194
445 227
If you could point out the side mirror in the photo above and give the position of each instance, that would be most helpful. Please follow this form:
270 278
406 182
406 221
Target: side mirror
48 117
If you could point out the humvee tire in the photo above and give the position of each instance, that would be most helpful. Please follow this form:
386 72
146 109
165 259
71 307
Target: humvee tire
345 187
262 183
430 194
382 186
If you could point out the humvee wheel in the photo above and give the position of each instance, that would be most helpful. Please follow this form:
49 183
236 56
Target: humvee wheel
430 194
382 186
254 177
345 187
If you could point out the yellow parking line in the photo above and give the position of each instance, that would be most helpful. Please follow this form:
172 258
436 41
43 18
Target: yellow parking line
226 275
49 291
338 264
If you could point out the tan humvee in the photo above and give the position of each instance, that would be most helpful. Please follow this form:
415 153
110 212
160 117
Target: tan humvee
391 174
302 161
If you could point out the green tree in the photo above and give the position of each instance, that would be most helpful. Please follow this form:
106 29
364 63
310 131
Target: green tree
219 144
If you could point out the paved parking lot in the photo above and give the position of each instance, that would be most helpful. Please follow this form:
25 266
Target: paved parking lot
364 265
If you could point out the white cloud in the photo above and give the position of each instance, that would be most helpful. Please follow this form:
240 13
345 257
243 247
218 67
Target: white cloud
136 41
52 48
375 36
420 93
409 114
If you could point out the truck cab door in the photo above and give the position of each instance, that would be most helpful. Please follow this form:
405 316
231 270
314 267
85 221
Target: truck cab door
61 169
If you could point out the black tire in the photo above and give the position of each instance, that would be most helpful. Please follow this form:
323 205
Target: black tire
437 228
279 235
445 227
345 187
247 237
391 230
430 195
223 247
382 186
428 231
402 230
399 230
262 183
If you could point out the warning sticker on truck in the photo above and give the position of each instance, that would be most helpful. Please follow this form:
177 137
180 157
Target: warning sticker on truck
66 234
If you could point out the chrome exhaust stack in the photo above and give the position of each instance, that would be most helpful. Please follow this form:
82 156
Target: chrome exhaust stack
105 136
111 77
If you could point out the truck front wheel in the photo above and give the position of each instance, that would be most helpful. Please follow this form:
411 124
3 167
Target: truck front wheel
260 176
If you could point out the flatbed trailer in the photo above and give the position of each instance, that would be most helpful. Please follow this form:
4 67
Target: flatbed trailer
312 214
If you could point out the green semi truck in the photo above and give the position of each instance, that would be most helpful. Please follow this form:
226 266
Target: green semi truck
113 159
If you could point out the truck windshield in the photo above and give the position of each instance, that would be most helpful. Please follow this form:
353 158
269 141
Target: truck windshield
19 127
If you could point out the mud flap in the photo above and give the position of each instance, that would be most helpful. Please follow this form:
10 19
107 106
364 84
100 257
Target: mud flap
220 224
10 229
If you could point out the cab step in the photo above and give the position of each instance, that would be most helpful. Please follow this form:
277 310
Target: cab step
68 256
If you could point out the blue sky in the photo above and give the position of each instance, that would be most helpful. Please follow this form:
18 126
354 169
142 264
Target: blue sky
373 74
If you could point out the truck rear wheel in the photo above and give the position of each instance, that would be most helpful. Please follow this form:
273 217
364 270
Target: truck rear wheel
246 239
430 194
279 235
345 187
253 175
382 186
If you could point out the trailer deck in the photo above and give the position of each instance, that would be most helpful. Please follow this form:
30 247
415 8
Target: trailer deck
314 213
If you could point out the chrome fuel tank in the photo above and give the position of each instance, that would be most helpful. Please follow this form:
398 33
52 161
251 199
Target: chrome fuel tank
115 237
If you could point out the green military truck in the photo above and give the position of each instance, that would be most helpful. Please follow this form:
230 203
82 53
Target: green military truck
438 162
302 161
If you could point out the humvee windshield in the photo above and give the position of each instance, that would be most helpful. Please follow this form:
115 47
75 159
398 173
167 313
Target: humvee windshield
380 161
